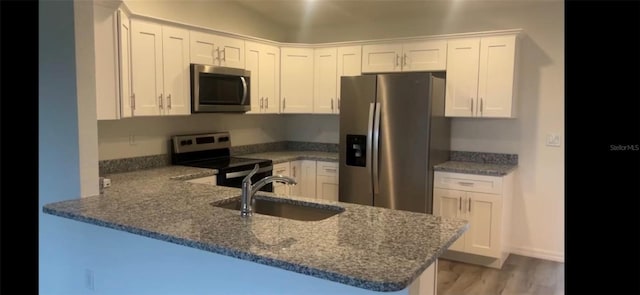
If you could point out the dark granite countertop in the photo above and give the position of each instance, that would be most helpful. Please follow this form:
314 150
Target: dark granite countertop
475 168
367 247
287 156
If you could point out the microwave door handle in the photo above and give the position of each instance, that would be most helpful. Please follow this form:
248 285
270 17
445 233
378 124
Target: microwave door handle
244 90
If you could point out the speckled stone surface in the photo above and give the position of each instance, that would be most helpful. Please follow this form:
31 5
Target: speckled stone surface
287 156
312 146
475 168
258 148
486 158
367 247
132 164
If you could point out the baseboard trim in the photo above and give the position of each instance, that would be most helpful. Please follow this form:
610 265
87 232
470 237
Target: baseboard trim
538 253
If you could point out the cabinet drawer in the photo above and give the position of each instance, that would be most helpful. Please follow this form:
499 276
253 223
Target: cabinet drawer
327 168
468 182
281 169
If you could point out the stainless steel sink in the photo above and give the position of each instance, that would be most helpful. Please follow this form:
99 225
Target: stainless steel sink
285 208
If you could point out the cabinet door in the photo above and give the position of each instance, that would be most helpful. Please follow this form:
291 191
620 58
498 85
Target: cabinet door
496 76
296 173
349 64
462 77
252 64
146 67
175 57
280 188
230 52
296 80
448 203
308 176
269 76
324 96
202 48
327 180
124 35
484 213
380 58
424 56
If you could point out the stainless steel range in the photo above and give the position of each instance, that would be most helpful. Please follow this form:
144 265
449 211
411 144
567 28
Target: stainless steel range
212 150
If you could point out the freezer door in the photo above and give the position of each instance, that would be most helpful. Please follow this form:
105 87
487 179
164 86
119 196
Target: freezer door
402 149
356 119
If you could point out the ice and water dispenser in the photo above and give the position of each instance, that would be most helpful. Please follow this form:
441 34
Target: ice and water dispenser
356 150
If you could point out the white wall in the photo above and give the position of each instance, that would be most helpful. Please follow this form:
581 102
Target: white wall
313 128
143 136
538 207
224 16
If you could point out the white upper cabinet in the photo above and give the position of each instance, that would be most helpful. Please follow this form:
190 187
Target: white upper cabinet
296 79
104 31
481 80
264 63
325 72
404 57
160 69
349 64
211 49
331 64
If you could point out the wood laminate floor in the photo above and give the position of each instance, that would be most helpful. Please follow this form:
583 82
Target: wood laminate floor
519 275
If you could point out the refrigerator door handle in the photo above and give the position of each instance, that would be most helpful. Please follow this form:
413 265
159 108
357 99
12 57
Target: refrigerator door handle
376 149
370 136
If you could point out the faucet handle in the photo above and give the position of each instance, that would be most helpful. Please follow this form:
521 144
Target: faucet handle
247 179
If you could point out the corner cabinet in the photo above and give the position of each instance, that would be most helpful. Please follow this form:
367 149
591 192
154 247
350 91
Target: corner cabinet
484 201
481 77
405 57
296 80
264 63
160 69
331 64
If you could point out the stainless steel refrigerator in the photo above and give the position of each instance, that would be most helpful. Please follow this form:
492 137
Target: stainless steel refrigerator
392 132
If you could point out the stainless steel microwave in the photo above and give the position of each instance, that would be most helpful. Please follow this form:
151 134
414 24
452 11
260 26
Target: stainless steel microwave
219 89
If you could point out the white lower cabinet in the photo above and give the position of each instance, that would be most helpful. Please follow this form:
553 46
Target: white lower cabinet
315 179
327 181
484 201
283 169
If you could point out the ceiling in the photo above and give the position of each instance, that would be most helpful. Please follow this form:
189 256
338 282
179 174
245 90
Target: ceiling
296 13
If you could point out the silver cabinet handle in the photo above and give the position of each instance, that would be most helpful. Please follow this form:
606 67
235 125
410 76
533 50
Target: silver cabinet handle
261 102
465 183
471 105
284 103
133 100
404 59
294 171
266 102
338 103
169 101
224 54
460 204
217 53
397 60
469 208
481 106
160 101
332 104
330 170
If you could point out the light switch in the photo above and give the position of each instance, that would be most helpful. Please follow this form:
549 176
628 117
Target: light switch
553 139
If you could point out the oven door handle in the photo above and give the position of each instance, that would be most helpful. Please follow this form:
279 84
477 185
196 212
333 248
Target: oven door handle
246 172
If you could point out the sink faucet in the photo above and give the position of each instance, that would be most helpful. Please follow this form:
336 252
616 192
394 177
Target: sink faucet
249 190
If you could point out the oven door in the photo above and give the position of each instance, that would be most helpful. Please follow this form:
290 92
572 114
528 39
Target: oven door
219 89
233 177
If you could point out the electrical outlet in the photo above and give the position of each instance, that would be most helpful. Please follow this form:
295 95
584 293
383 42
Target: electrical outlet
106 182
88 279
553 139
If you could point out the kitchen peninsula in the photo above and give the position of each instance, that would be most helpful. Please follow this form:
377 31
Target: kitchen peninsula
362 250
